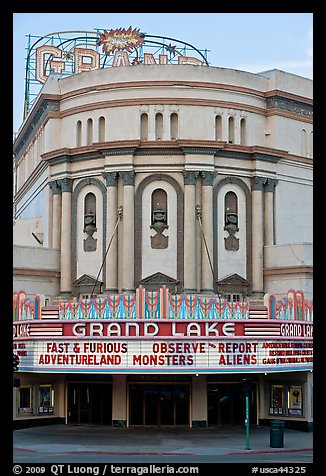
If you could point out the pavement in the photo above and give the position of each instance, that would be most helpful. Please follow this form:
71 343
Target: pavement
218 440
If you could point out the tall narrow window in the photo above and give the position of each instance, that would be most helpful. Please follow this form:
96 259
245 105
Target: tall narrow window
174 126
89 139
243 131
101 129
90 243
159 219
231 204
231 130
218 128
231 242
90 204
304 142
144 126
311 143
78 134
158 126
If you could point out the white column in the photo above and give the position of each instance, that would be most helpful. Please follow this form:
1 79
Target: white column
190 231
257 186
207 222
269 211
128 179
56 217
111 270
65 281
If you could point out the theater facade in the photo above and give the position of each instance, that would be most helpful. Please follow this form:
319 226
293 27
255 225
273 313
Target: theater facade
162 238
157 359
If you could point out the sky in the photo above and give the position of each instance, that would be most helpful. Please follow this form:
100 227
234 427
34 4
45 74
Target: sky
252 42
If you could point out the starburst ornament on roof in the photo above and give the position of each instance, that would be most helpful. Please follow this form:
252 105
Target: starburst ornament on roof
120 39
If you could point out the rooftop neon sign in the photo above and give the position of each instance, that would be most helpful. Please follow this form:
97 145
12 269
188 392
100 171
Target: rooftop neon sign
73 52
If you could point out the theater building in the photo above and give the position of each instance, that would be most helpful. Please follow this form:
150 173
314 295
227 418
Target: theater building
162 238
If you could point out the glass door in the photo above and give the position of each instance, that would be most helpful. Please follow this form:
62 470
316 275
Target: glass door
151 396
159 404
166 405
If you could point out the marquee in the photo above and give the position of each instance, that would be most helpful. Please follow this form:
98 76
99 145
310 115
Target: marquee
169 347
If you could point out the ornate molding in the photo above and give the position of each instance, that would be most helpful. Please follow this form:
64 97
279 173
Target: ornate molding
291 105
111 178
257 183
158 278
66 184
189 177
55 187
33 123
200 150
207 177
270 185
128 178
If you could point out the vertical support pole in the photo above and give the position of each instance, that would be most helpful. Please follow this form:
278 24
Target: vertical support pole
247 422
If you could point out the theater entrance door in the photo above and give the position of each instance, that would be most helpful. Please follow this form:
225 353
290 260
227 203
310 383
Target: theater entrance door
158 404
90 403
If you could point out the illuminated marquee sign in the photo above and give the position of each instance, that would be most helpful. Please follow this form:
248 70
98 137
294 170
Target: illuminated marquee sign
128 347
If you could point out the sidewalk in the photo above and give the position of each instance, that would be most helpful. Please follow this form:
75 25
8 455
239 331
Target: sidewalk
73 439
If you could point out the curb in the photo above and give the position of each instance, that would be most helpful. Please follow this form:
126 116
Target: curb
268 451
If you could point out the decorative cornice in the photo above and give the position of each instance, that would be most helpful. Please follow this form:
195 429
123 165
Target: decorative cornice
119 151
36 272
158 151
291 105
46 105
265 157
200 150
288 270
179 147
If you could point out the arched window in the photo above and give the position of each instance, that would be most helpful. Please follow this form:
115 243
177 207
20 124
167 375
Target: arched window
231 130
231 242
159 219
158 126
218 128
144 126
90 243
230 206
101 129
174 126
159 206
243 131
78 134
89 138
90 204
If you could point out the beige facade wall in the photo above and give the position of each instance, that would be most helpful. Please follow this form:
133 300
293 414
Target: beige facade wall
197 95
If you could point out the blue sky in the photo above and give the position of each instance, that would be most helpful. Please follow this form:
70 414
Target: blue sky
251 42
